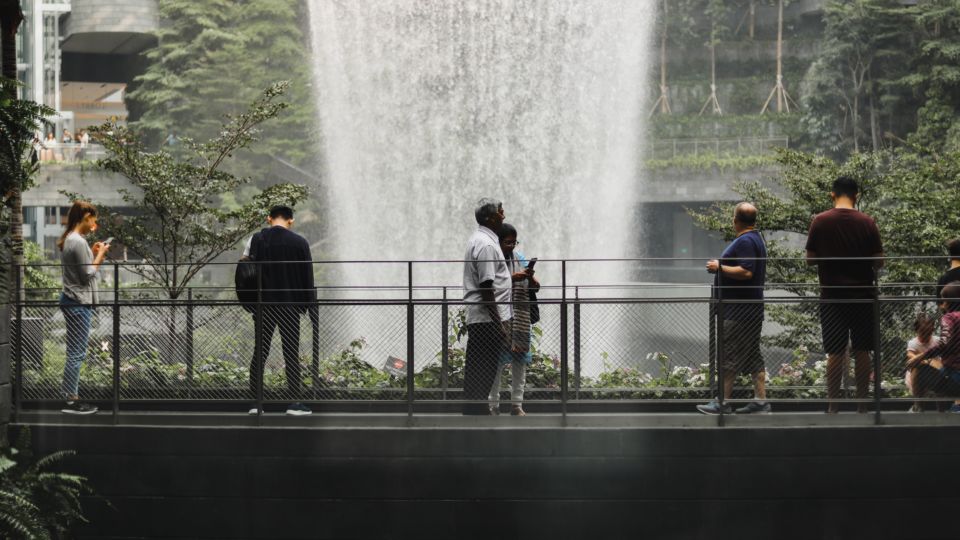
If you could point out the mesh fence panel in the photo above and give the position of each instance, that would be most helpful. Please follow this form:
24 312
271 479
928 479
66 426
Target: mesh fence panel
656 349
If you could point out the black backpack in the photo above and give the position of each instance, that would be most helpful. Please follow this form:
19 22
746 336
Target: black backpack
245 280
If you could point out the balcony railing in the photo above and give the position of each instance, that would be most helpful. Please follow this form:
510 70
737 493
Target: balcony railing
729 146
55 153
396 339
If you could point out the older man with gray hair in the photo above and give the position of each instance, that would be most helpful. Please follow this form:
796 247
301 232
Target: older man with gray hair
487 288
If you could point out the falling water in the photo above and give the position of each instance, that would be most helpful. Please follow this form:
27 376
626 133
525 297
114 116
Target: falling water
428 105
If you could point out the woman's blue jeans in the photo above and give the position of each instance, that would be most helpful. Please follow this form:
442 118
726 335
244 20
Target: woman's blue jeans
79 318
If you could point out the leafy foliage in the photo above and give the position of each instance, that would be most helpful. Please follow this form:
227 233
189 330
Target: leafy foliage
18 122
38 502
173 221
210 59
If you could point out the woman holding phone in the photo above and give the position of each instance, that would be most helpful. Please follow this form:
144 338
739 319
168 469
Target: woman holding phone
519 356
80 264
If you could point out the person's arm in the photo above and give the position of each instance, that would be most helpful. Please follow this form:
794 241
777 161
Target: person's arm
812 237
877 246
734 272
487 260
489 298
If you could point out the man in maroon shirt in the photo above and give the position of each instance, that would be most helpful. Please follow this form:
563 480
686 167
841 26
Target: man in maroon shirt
837 238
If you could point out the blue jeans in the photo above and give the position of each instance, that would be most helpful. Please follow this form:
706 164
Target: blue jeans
79 318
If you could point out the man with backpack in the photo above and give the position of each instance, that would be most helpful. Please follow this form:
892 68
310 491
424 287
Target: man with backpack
286 290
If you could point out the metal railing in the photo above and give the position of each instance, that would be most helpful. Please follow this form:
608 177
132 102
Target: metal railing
399 343
56 153
720 146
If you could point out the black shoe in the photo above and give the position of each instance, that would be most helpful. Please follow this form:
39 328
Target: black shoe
298 409
77 407
755 407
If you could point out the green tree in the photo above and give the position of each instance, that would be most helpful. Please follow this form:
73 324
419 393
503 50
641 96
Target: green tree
173 221
935 75
211 58
866 48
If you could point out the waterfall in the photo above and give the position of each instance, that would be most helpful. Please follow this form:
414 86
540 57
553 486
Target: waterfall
425 106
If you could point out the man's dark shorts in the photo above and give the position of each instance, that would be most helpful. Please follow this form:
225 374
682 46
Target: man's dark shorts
741 346
842 322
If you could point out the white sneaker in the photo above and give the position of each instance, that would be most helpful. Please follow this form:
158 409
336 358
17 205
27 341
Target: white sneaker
253 412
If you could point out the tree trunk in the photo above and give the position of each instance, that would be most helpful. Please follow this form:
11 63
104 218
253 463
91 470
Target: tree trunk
874 127
10 17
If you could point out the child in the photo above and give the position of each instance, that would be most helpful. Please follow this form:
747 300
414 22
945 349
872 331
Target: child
921 343
942 378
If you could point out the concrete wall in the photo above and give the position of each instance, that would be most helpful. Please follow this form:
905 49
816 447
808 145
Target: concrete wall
551 483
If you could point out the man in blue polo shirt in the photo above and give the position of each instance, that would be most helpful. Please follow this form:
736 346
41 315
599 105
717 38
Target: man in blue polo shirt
741 274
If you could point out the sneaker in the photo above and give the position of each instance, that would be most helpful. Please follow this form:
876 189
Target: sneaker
714 408
254 411
298 409
755 407
77 407
915 408
517 410
955 408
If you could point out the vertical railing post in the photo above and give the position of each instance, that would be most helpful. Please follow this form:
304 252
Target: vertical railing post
410 367
190 330
116 343
563 341
576 342
877 363
314 314
720 352
444 344
18 344
258 357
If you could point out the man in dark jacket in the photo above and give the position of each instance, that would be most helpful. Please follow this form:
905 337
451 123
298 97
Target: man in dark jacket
287 292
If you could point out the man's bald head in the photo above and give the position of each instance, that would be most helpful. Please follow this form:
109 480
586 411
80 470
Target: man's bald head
746 214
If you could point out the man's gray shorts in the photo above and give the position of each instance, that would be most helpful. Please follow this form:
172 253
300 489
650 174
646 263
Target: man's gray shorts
741 346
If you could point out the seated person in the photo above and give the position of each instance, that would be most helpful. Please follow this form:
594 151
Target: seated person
924 326
942 378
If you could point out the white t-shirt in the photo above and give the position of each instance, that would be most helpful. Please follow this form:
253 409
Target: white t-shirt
914 346
484 261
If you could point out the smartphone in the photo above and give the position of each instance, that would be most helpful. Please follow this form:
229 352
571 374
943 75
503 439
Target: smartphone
531 263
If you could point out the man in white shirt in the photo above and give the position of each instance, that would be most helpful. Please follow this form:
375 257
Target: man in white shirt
487 288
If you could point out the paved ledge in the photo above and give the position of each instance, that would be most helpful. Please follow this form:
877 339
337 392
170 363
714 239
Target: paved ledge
504 422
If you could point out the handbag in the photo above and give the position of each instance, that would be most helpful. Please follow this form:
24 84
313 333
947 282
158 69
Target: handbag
245 279
534 307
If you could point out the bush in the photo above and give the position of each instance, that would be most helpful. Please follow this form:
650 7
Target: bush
35 501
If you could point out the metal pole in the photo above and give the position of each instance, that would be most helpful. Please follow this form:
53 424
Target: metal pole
877 365
576 343
410 339
720 340
563 340
315 347
116 343
444 344
258 357
190 330
18 346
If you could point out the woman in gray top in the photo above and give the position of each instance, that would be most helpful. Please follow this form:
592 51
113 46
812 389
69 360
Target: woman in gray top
80 264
